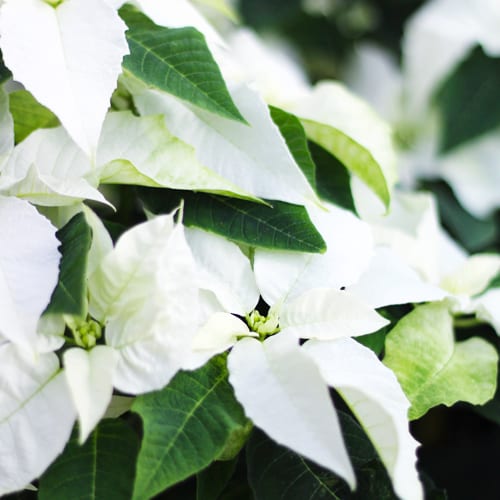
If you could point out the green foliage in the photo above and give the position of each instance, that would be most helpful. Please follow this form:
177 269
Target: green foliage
432 368
282 226
28 114
211 482
468 100
293 132
177 61
5 73
101 469
276 472
69 296
186 426
333 182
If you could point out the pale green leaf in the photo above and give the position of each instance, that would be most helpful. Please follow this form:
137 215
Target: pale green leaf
28 114
432 368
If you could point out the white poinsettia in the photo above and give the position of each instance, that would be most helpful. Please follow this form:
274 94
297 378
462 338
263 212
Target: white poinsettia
74 64
143 291
29 268
283 385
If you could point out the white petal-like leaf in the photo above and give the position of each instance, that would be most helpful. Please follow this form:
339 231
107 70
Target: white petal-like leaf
389 281
329 314
89 375
145 291
6 126
254 157
74 64
286 275
487 307
284 394
473 276
29 268
36 415
374 395
49 169
141 150
223 269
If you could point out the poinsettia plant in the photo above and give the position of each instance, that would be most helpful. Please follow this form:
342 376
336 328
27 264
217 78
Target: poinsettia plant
208 269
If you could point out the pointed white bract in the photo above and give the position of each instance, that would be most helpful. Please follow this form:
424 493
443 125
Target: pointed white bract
74 64
286 275
327 314
223 269
284 394
89 375
29 268
48 168
6 127
141 151
36 415
374 395
145 293
254 157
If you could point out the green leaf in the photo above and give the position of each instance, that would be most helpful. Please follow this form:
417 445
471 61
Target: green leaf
276 472
69 296
349 129
29 114
177 61
432 368
5 73
468 100
186 426
282 226
101 469
295 137
211 482
473 234
333 182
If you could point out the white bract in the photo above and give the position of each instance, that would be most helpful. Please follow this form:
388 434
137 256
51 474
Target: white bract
282 387
73 66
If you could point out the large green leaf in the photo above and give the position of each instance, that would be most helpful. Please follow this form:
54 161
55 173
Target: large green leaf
210 483
187 425
293 132
102 469
432 368
69 296
277 473
29 114
282 226
468 100
176 61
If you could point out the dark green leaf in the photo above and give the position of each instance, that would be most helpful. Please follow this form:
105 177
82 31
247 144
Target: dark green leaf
374 341
5 73
295 136
333 181
186 426
468 100
29 114
473 234
177 61
102 469
282 226
69 296
277 473
211 482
